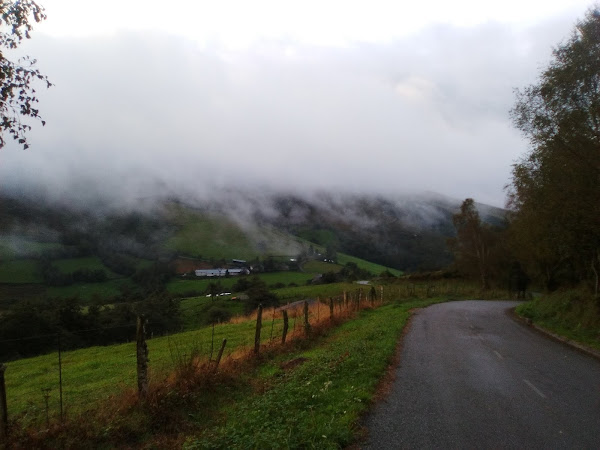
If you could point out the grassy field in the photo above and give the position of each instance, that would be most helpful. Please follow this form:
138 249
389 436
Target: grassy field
209 236
195 310
70 265
323 398
20 271
292 294
86 291
97 372
180 287
323 384
321 267
375 269
219 237
286 278
92 374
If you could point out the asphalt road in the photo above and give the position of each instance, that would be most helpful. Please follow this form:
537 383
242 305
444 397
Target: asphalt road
470 377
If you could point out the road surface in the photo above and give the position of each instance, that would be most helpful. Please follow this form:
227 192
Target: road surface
471 377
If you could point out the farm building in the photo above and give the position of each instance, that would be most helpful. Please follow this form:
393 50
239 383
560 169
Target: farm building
221 272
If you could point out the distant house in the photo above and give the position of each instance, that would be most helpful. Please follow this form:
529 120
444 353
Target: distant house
221 272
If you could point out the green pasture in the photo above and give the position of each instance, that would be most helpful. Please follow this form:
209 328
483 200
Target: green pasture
20 271
320 237
93 374
209 236
315 267
291 294
181 286
374 268
70 265
86 291
142 263
194 311
286 278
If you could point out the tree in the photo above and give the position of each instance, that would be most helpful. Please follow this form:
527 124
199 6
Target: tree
17 95
555 189
259 294
472 243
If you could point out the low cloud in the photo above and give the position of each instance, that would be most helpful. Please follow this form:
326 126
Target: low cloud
146 115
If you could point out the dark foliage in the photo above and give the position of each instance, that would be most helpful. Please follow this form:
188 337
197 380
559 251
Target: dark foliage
259 294
33 327
17 95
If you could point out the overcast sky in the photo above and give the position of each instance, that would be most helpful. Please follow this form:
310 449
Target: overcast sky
376 97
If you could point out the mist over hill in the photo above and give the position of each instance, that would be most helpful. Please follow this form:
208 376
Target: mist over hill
407 232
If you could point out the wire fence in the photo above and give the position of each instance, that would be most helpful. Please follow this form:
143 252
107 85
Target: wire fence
50 388
64 384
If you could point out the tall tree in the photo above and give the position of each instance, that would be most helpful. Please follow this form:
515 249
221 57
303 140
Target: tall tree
473 242
555 189
17 95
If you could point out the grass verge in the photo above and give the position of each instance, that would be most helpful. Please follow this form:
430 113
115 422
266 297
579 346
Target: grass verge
573 314
317 403
308 392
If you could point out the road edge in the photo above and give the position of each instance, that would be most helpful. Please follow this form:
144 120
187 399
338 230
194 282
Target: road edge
384 385
566 341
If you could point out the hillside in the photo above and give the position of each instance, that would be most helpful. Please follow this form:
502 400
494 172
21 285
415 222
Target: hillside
241 224
100 252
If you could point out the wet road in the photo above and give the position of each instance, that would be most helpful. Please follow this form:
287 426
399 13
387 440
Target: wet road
471 377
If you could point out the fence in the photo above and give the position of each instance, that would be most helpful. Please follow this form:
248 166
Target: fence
54 387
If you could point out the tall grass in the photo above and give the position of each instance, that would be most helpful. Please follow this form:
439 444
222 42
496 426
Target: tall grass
92 374
101 379
572 313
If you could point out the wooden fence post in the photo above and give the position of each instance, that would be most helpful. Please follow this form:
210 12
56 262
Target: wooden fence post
285 326
60 383
258 328
3 409
381 293
142 357
306 323
220 354
272 325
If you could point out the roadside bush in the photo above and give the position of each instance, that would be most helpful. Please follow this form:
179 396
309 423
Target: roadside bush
218 315
574 313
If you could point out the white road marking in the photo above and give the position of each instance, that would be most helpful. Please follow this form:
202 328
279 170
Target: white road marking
498 355
536 390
